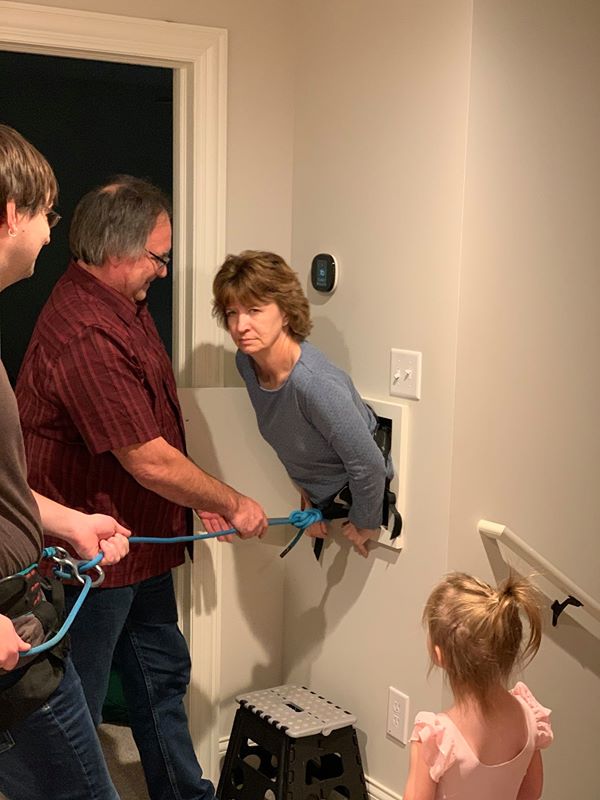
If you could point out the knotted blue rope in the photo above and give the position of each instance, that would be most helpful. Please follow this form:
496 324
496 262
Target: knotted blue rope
300 519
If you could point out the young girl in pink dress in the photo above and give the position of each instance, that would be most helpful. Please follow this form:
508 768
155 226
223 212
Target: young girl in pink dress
487 745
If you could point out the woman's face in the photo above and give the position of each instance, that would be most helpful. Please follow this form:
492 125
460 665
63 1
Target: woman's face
255 328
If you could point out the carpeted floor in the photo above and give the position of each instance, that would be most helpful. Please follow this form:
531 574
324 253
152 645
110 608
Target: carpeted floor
123 762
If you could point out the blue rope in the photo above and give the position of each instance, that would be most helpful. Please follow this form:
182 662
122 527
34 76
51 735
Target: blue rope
66 624
300 519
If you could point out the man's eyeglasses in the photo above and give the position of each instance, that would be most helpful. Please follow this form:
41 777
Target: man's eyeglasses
53 218
162 261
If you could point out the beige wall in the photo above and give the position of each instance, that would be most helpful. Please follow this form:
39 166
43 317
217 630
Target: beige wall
381 110
379 148
527 443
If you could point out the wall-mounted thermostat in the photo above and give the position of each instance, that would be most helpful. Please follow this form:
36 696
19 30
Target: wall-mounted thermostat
324 273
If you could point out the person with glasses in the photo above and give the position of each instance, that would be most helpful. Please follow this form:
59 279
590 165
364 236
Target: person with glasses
98 402
48 743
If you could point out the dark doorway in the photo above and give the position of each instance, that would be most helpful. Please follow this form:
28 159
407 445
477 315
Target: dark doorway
90 119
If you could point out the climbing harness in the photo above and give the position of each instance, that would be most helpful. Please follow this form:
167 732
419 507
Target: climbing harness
67 567
338 506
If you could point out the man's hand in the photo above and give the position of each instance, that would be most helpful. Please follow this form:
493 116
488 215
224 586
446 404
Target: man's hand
11 644
100 532
249 518
215 522
359 537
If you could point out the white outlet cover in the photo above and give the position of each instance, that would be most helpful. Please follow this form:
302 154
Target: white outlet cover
405 373
397 716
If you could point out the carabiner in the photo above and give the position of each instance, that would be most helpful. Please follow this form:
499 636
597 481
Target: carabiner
67 567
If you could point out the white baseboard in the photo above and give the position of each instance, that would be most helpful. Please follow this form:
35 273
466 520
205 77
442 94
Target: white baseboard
376 790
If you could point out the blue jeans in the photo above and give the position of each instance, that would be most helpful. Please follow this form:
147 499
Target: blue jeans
135 627
55 752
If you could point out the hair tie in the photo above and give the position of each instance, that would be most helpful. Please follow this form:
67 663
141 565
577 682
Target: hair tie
508 590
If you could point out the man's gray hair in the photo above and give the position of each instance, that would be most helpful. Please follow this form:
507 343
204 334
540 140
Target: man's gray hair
114 220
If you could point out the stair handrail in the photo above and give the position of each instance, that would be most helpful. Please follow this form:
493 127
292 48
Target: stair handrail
500 532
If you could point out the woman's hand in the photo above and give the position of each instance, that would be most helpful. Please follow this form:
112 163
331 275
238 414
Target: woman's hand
359 536
318 530
11 644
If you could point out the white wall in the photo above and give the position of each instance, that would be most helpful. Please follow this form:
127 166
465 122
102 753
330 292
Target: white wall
380 135
245 579
527 441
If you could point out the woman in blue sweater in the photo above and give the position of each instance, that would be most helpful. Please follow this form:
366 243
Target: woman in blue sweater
307 409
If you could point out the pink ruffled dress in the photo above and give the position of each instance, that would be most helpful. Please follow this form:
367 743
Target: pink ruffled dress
455 768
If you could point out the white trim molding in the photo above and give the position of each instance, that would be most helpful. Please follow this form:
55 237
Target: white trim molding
198 57
377 791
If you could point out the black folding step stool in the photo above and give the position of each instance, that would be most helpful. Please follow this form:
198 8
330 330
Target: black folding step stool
289 743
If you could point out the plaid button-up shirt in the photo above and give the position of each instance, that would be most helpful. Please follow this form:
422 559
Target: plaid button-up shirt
96 378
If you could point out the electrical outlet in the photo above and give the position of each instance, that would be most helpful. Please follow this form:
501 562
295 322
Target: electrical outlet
397 715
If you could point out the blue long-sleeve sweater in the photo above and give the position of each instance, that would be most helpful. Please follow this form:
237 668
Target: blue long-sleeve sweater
322 432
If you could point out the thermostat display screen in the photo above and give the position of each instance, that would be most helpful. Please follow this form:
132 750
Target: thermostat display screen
324 273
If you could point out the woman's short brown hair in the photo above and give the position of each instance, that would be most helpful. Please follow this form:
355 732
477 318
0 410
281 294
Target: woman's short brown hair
26 177
256 277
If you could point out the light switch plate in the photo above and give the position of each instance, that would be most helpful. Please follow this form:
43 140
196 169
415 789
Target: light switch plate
405 374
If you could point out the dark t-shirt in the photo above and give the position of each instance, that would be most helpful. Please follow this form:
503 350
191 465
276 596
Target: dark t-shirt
25 689
20 524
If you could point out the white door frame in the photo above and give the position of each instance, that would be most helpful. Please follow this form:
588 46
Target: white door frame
198 57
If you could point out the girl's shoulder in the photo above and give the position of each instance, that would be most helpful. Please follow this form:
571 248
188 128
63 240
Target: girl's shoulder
539 713
436 734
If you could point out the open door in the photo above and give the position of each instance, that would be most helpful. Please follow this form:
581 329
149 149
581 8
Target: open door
91 120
